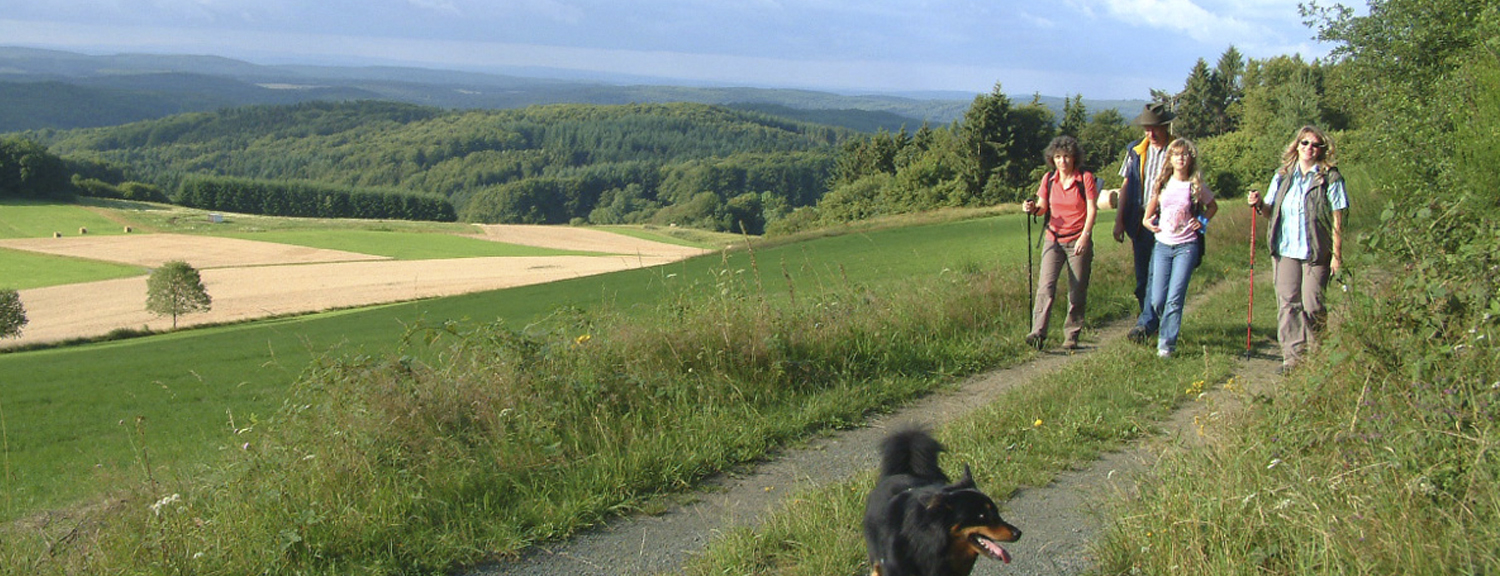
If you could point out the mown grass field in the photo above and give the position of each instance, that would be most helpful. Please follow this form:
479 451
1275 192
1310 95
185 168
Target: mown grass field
21 270
401 245
29 219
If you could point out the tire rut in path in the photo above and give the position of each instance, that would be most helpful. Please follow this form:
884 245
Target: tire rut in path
1059 521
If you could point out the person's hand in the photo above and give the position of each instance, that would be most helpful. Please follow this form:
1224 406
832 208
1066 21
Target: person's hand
1119 232
1084 244
1150 224
1253 198
1029 206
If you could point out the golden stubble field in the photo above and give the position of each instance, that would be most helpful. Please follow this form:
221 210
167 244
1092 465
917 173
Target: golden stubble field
249 279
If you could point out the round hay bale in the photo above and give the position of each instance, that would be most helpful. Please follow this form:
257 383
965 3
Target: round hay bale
83 230
128 230
57 234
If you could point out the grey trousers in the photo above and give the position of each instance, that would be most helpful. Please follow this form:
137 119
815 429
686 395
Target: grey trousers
1300 313
1056 256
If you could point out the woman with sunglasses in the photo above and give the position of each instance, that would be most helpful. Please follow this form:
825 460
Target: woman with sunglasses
1306 202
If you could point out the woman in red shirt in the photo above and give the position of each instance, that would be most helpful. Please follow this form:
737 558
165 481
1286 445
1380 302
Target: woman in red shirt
1069 198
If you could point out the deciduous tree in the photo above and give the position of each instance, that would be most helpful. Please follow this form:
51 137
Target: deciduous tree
12 313
175 289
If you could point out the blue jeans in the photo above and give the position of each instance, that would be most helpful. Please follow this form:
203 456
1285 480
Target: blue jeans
1171 269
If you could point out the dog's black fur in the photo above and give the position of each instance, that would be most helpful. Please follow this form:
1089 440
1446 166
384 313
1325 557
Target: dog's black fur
917 523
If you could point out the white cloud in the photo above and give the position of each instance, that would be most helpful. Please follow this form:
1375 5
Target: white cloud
1183 16
445 7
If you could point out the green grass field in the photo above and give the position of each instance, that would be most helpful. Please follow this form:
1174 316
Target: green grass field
21 270
27 219
72 413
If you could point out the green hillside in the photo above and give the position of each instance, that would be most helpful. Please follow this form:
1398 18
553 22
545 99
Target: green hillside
549 164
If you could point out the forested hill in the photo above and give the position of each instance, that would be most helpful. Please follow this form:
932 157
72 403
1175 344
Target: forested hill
51 89
691 164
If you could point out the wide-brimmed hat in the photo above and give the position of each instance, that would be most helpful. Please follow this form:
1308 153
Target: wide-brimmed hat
1155 114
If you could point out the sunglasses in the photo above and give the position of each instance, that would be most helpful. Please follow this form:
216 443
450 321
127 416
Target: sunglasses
1318 145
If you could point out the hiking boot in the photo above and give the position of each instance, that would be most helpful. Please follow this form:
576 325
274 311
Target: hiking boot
1036 341
1137 335
1163 353
1070 343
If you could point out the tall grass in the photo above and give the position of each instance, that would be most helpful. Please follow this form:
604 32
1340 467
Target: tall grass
1037 430
192 385
477 439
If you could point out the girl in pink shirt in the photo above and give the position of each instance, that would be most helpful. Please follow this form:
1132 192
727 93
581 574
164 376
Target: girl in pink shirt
1177 215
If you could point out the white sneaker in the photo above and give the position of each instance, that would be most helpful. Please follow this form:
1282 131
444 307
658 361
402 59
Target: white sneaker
1163 353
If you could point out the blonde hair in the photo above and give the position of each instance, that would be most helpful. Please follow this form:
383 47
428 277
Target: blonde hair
1325 159
1195 178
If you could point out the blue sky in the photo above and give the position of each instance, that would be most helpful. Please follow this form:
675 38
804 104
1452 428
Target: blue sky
1097 48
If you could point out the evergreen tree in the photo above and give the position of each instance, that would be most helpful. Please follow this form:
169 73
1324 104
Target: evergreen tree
987 133
1075 117
1195 106
1227 90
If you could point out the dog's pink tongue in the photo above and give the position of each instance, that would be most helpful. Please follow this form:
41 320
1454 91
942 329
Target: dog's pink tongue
996 550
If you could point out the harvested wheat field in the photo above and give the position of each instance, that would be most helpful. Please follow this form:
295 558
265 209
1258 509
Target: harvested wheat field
249 279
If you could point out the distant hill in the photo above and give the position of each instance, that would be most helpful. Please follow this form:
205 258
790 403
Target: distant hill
55 89
685 163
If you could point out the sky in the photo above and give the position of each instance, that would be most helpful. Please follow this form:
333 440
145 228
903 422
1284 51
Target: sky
1101 49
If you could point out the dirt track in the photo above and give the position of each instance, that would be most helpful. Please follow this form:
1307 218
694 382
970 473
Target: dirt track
249 279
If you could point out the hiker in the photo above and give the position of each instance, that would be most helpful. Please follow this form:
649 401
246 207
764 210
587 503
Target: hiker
1068 197
1142 165
1178 212
1306 202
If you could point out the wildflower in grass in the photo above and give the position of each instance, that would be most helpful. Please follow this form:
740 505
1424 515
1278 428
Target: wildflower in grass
1037 424
582 339
1195 389
156 508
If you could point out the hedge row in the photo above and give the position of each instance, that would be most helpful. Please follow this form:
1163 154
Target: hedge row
310 200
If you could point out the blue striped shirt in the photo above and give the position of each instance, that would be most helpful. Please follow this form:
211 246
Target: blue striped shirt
1292 242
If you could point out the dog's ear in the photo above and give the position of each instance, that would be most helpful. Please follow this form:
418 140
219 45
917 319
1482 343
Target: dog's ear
965 482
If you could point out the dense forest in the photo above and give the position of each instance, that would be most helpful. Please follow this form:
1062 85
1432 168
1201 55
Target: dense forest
686 164
714 166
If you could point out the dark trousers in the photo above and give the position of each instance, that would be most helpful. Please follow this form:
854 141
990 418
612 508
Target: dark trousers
1142 242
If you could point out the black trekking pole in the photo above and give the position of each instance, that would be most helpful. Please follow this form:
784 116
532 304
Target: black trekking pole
1030 289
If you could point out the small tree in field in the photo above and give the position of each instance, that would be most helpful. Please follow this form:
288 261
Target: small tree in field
176 289
12 313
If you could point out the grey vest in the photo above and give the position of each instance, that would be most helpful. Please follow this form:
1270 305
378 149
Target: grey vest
1319 215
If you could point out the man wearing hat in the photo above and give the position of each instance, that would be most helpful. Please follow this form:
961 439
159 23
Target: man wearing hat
1143 163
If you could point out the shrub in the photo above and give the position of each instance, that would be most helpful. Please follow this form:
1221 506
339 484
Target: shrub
12 313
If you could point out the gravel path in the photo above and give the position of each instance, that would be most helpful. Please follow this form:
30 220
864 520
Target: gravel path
1058 521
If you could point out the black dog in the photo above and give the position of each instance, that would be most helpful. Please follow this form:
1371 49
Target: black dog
916 523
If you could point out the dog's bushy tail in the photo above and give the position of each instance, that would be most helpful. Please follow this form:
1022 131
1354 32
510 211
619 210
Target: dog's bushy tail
911 451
